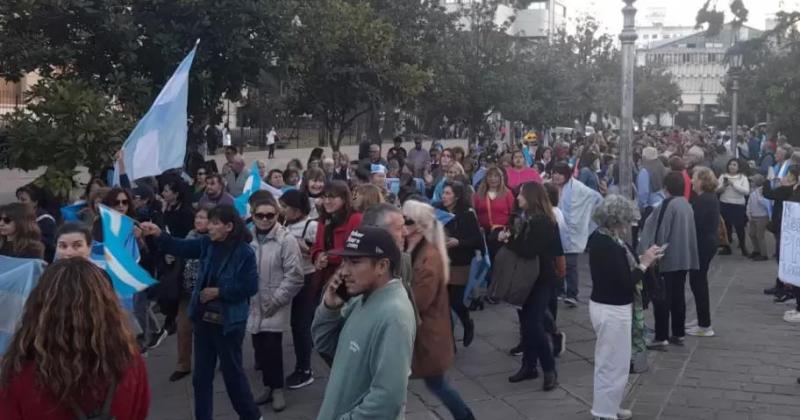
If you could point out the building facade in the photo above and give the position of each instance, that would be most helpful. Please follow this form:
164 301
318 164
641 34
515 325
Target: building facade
697 64
540 20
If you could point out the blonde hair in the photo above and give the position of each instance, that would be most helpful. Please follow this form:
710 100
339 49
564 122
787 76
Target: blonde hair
454 165
369 196
424 216
707 179
483 188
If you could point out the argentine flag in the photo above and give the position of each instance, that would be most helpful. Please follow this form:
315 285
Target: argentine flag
126 275
158 142
18 277
444 216
252 185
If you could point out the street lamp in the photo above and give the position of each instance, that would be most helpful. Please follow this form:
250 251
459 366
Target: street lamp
625 159
735 59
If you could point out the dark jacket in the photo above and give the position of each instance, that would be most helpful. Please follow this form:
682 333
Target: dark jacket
179 220
537 236
779 195
706 222
232 265
613 280
47 225
464 227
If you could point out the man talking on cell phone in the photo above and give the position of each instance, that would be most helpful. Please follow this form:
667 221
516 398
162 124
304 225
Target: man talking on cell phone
366 320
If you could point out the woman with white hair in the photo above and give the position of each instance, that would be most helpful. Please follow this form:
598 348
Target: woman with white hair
616 272
433 346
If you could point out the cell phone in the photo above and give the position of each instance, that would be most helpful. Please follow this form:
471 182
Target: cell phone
341 291
664 247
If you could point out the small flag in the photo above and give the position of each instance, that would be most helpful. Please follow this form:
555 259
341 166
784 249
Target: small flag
18 277
252 185
393 185
444 216
126 274
71 213
158 142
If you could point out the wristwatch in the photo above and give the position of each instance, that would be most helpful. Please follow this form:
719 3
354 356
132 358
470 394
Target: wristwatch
642 267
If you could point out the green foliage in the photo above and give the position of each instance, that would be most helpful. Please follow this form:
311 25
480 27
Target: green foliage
654 92
67 123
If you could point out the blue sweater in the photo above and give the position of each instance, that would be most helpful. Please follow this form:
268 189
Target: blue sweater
233 266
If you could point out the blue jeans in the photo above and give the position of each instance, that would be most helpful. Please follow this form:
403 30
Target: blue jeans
572 275
536 345
209 344
450 398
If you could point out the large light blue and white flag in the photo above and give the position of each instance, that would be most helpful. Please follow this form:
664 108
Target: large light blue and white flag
158 143
71 213
18 277
126 275
252 185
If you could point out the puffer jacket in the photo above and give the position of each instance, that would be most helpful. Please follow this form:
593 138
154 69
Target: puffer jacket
280 278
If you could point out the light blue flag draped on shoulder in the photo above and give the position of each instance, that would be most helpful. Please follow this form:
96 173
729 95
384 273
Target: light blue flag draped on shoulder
18 277
252 185
528 158
444 217
158 143
71 213
120 264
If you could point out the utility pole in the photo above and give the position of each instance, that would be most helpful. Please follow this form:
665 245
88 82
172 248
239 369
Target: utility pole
702 105
625 159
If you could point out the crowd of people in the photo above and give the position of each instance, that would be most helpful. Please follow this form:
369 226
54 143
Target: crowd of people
369 263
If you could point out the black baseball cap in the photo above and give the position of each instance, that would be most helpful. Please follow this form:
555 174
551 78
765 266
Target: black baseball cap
370 241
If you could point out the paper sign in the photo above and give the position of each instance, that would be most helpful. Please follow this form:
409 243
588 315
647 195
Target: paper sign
789 267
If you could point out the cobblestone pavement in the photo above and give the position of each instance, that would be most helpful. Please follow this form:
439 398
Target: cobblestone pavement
747 371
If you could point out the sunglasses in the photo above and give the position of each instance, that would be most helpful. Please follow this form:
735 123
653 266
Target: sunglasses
120 203
409 222
5 219
264 216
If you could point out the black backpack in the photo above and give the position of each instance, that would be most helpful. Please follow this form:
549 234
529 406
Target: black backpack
103 414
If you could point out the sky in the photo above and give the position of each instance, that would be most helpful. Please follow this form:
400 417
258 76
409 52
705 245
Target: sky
678 12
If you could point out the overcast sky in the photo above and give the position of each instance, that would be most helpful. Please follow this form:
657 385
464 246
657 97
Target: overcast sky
678 12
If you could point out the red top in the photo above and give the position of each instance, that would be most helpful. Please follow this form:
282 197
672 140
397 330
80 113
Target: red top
493 212
340 235
23 399
517 177
687 185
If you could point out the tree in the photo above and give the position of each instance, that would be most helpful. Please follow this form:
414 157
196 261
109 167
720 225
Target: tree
343 65
654 93
69 124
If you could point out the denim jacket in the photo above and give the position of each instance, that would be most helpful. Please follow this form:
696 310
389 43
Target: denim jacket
237 277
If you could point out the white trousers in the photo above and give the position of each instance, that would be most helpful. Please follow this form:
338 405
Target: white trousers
612 356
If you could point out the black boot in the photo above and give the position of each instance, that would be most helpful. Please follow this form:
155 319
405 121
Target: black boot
524 373
469 332
550 381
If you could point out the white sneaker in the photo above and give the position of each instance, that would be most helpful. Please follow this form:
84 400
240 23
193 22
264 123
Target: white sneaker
792 317
700 331
690 324
790 312
657 345
624 414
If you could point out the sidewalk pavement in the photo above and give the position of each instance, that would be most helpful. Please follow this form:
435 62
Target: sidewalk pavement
747 371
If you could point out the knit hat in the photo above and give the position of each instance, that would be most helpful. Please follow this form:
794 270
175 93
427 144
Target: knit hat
296 200
649 153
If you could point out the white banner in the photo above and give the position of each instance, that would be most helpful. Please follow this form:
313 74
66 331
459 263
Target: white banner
789 268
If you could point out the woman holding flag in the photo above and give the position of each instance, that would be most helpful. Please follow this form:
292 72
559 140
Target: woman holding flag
227 278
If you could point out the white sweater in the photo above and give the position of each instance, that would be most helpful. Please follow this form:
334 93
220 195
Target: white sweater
736 191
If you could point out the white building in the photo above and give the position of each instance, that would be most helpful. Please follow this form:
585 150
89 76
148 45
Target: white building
697 64
541 19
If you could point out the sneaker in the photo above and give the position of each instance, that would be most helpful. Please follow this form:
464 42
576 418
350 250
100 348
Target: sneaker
790 312
624 414
773 290
690 324
265 397
657 345
698 331
571 302
792 317
278 400
782 296
300 378
676 341
157 339
559 344
516 351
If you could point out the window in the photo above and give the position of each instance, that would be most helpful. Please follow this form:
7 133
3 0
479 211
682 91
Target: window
712 58
645 36
538 5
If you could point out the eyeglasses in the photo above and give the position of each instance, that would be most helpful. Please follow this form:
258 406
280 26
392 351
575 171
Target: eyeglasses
120 202
6 220
264 216
409 222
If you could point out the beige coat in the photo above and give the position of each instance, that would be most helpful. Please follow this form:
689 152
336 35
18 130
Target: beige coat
280 279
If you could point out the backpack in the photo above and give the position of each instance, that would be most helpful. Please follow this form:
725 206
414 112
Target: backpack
103 414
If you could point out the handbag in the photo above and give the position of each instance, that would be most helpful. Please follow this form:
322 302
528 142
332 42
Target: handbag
513 277
655 288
